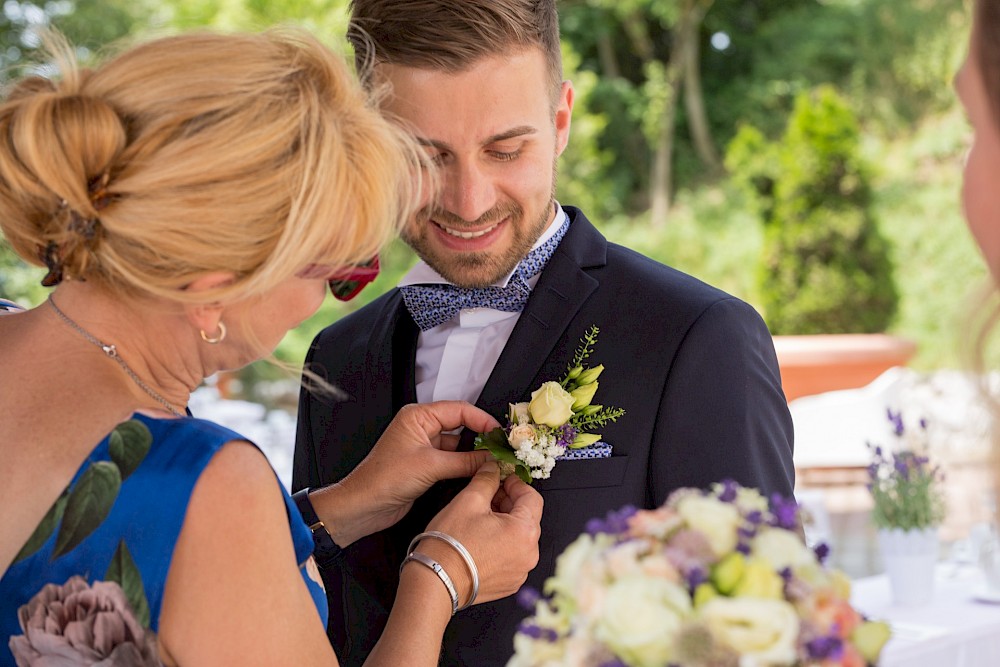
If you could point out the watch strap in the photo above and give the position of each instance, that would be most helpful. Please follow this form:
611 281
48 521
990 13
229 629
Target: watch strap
325 550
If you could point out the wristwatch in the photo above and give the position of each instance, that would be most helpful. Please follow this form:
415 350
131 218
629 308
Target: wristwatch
325 550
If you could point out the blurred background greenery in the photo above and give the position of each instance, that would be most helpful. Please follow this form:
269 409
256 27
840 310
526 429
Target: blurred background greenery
663 88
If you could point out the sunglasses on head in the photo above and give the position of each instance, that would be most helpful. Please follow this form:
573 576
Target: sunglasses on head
345 283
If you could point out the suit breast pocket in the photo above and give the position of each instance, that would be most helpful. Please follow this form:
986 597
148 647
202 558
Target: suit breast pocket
586 474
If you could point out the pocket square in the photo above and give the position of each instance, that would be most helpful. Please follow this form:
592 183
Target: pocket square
598 450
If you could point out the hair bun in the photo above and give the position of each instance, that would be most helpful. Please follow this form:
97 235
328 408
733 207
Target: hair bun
57 141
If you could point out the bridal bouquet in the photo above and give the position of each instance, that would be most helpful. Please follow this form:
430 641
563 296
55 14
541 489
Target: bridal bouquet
555 420
710 579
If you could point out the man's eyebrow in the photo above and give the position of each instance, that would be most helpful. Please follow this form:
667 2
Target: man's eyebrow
511 134
520 131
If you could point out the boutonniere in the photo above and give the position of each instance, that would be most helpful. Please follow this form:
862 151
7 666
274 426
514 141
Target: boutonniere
558 417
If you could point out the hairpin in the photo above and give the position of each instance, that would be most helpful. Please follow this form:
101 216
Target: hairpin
51 256
85 227
97 189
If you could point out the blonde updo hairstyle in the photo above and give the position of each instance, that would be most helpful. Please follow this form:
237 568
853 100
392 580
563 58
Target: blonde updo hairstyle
255 154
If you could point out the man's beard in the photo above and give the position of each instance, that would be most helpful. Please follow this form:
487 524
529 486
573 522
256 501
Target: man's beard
476 269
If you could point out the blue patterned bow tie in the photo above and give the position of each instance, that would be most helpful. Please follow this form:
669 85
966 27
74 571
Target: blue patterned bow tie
431 305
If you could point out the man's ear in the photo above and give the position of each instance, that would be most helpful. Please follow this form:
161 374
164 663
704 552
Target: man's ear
206 316
564 115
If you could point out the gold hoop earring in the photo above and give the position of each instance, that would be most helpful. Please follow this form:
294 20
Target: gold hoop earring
218 339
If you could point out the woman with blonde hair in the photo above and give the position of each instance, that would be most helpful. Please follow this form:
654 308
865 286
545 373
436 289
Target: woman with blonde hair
191 199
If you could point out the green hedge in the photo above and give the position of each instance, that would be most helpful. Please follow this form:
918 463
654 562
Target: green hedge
825 266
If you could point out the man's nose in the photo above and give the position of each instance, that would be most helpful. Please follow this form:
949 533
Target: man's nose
467 190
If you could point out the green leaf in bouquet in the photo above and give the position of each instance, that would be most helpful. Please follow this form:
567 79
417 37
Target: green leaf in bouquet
124 572
45 528
522 471
499 446
129 444
89 504
575 367
599 419
496 442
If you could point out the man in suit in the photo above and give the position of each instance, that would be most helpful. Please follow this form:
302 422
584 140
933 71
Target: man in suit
480 84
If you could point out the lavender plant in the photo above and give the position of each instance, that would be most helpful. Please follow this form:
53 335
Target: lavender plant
906 489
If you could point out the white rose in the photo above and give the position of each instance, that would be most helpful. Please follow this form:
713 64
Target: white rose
762 631
716 520
656 523
571 561
781 549
641 618
749 500
519 413
658 565
523 435
590 596
530 652
623 558
551 405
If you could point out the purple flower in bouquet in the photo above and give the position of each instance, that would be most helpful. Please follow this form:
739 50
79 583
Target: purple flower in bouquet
615 523
80 624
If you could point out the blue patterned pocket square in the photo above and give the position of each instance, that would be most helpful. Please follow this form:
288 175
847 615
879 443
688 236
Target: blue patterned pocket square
598 450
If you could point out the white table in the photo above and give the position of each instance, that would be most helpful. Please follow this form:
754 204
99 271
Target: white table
952 630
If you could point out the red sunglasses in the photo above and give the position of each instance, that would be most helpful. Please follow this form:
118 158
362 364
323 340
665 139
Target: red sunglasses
344 283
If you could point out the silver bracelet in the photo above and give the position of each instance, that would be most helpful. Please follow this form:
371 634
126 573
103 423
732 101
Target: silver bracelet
462 551
427 561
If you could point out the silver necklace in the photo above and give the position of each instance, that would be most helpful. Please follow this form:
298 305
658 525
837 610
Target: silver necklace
112 353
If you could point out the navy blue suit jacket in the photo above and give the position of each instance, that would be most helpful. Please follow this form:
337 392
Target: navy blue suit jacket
693 367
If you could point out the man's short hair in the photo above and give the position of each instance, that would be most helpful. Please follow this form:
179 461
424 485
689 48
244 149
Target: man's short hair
451 35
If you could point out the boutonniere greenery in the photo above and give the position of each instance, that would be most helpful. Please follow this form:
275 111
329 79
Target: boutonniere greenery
560 416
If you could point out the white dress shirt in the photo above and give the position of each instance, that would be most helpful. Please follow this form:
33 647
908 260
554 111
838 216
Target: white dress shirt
455 358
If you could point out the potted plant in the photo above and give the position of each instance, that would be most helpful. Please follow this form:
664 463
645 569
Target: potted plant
825 279
908 510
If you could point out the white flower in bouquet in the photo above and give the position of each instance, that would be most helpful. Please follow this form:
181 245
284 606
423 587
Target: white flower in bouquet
709 579
523 436
519 413
640 619
583 551
781 549
551 405
763 632
718 521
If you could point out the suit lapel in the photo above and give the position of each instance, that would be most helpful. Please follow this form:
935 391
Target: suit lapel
562 290
391 350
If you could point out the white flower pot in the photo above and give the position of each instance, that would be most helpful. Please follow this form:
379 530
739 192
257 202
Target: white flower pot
909 557
989 560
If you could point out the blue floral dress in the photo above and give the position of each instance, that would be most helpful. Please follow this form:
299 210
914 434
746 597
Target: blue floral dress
118 521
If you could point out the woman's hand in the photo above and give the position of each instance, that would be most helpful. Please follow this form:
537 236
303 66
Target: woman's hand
499 524
415 451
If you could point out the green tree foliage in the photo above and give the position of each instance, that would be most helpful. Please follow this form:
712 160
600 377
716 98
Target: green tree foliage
894 59
644 51
325 18
89 25
826 268
584 165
